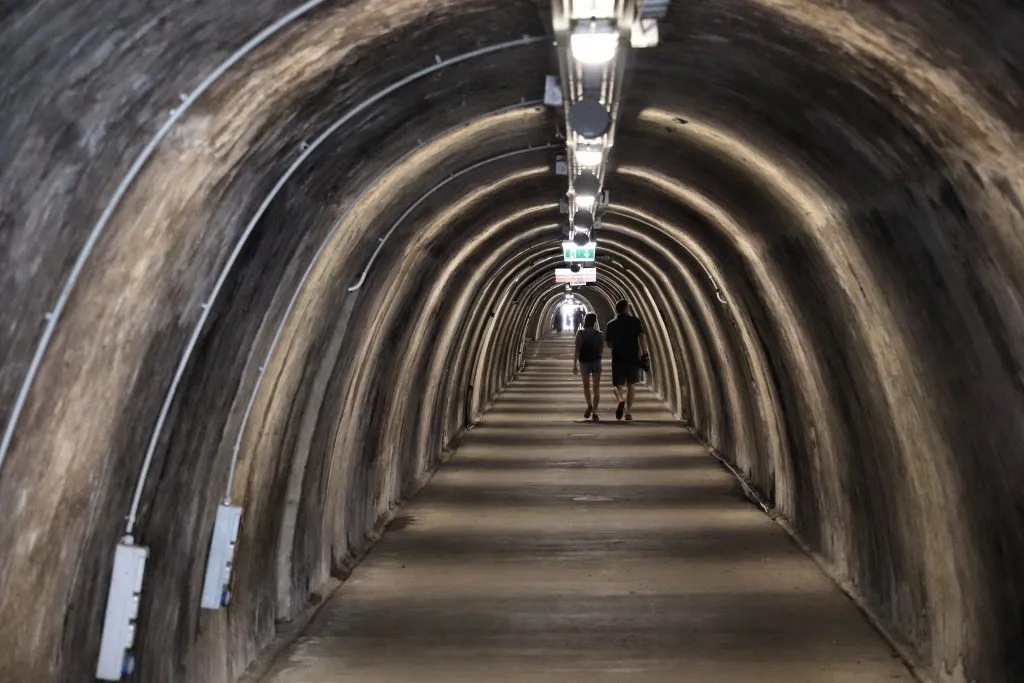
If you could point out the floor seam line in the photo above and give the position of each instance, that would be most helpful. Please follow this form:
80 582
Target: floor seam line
903 650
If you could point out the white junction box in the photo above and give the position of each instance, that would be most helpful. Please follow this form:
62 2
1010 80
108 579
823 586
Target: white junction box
552 91
561 165
644 33
116 659
217 584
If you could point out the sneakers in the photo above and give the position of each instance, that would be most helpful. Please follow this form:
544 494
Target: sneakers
620 410
595 418
629 418
588 413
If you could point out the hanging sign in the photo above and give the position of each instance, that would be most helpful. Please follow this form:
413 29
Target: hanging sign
574 253
584 276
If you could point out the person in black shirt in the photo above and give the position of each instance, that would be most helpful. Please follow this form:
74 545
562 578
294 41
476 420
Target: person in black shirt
577 320
587 359
625 335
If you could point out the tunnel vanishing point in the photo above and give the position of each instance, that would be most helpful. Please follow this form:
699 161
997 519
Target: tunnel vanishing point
283 255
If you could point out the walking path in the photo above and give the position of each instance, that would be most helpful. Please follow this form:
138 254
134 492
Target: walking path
554 550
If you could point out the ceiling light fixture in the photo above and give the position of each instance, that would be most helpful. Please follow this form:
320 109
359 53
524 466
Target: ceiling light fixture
583 220
589 157
589 119
585 201
585 9
594 42
581 239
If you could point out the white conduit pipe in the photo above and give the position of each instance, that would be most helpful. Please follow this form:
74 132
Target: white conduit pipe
52 317
718 292
306 153
236 449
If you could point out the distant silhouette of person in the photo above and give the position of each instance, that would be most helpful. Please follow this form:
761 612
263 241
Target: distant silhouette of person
587 362
625 335
577 319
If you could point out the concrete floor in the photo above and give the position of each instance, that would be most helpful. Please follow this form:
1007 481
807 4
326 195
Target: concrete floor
555 550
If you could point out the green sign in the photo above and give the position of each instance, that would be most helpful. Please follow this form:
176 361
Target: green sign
573 252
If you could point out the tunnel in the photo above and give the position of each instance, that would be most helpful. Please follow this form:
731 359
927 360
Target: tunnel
288 256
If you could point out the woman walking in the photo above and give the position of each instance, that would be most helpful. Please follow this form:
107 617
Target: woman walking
589 347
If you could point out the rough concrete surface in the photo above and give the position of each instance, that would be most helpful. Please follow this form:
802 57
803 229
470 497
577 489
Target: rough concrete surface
550 549
845 174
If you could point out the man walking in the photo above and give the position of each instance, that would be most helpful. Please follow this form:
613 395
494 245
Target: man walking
625 335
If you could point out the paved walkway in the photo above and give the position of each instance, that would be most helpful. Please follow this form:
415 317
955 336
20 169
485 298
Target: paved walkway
555 550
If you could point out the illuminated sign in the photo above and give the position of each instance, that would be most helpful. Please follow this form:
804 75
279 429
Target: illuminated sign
584 276
575 253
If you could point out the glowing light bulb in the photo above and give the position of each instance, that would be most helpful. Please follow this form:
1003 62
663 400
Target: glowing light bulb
589 157
594 48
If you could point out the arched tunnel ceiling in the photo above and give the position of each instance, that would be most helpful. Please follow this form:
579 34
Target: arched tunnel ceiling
224 229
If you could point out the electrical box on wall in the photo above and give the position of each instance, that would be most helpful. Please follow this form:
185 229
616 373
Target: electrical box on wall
561 165
644 33
116 659
552 91
217 584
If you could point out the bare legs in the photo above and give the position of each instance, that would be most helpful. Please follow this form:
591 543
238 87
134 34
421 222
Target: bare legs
592 389
625 394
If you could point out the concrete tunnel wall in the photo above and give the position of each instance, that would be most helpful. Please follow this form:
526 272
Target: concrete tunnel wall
846 177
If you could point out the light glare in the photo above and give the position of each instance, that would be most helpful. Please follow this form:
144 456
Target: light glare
585 201
589 157
586 9
594 48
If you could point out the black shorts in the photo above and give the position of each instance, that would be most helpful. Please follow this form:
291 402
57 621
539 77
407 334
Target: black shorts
625 373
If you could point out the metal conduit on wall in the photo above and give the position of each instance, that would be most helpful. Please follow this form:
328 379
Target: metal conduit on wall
879 357
222 278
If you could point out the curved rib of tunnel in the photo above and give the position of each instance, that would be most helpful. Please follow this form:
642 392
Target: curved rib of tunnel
319 237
